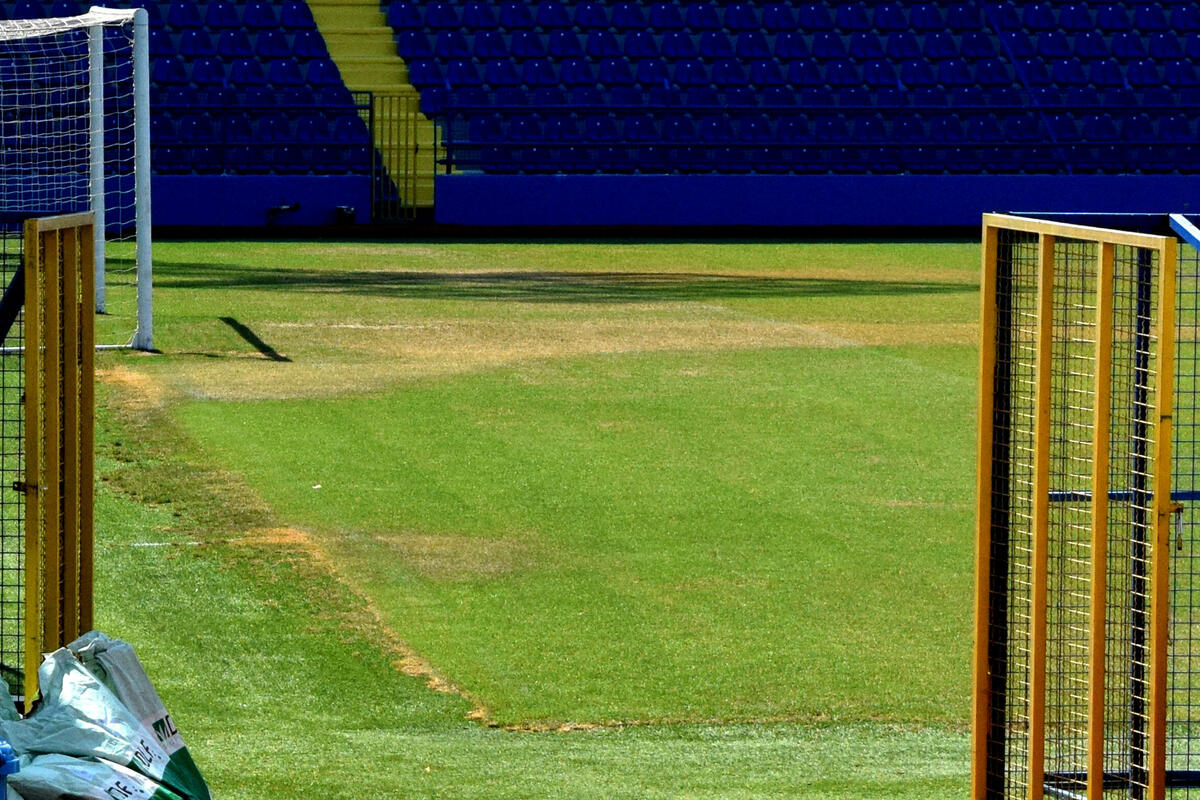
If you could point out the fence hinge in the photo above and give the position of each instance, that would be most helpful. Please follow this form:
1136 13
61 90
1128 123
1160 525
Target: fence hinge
22 486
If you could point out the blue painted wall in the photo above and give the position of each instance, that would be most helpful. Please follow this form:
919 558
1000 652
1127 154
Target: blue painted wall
794 200
246 201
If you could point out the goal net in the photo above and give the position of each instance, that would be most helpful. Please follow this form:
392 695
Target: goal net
74 137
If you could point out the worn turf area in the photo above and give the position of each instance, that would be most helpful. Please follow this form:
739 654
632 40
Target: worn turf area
717 492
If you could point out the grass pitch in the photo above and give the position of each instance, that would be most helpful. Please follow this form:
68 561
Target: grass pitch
700 513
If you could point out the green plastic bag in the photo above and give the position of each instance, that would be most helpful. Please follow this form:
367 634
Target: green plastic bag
79 716
116 665
53 777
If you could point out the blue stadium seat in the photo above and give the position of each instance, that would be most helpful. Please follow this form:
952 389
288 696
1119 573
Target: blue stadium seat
653 72
515 15
1185 18
1144 73
728 72
208 72
409 44
828 45
295 15
602 44
640 44
964 17
272 44
926 17
168 71
702 97
405 15
1039 16
442 16
691 72
500 72
628 16
790 45
1053 45
462 73
1075 17
233 45
284 72
752 45
715 44
976 44
526 44
538 72
842 73
890 17
1128 45
563 44
479 15
196 43
590 14
1004 16
917 74
953 73
260 16
323 73
182 15
1034 72
765 73
701 16
879 74
615 72
665 17
161 44
552 15
804 73
865 46
852 18
222 15
1091 46
814 17
1113 17
425 73
1107 73
778 17
1165 46
1150 19
574 72
1018 43
1180 74
903 46
940 45
741 17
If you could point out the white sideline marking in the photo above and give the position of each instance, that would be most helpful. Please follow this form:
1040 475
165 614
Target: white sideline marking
164 544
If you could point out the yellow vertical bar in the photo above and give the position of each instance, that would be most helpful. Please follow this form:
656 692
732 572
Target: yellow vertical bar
68 279
1101 423
87 434
33 461
981 714
1041 518
52 403
1159 576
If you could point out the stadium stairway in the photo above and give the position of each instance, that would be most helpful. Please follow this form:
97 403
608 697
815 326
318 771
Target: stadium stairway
360 43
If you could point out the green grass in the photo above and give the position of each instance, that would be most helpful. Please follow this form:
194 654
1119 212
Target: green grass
719 491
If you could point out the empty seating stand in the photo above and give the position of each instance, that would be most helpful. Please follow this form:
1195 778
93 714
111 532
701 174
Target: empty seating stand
841 86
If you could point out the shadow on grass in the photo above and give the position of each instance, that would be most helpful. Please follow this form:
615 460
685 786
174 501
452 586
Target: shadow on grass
538 286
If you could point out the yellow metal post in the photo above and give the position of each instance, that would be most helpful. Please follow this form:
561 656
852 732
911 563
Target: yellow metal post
981 678
1101 430
33 461
1159 577
1041 517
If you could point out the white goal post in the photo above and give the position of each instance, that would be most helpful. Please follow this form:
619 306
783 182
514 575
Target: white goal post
75 136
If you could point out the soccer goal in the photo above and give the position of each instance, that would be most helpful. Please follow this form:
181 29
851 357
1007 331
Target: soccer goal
74 137
1087 603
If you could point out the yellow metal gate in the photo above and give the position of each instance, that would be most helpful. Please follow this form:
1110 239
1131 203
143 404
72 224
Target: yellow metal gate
59 435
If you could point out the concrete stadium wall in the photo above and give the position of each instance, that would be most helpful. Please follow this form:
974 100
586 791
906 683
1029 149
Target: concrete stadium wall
793 200
248 200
